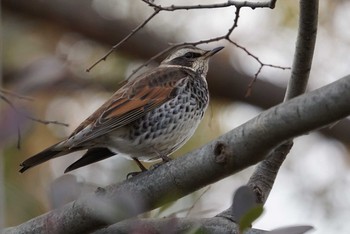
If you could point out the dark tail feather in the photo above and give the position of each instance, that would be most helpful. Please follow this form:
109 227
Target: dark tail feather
91 156
43 156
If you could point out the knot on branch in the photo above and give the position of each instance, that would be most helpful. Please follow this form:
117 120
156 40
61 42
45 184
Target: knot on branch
259 194
220 152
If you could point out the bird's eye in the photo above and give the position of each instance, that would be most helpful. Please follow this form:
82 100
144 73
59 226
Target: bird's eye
190 55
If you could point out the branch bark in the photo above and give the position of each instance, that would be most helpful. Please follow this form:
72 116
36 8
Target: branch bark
176 225
230 153
304 50
265 174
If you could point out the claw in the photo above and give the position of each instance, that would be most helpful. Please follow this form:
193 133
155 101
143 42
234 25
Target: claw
132 174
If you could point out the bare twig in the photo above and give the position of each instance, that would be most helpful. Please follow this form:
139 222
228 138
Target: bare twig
124 40
14 108
262 64
238 4
197 200
6 100
10 93
145 64
206 41
158 8
46 122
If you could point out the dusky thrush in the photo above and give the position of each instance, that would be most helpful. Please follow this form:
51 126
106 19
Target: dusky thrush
148 118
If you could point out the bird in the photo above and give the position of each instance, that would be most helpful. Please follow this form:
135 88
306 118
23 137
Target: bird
147 119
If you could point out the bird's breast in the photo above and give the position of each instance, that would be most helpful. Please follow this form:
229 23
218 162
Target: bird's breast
167 127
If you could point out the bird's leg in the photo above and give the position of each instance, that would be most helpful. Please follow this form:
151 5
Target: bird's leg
142 167
164 158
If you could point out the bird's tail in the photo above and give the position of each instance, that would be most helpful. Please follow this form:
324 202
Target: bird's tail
45 155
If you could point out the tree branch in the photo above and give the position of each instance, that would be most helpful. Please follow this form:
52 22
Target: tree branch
124 39
176 225
238 4
230 153
265 174
304 50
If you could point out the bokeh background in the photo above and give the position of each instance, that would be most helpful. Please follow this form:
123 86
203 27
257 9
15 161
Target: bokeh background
48 45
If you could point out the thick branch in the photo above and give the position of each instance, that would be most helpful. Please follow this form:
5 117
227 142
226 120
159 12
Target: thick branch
232 152
176 225
191 225
304 50
265 174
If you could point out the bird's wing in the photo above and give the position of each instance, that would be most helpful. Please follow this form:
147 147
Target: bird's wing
132 101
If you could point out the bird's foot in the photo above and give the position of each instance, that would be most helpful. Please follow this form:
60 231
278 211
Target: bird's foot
133 174
165 159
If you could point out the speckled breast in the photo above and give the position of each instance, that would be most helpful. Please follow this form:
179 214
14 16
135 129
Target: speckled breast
168 127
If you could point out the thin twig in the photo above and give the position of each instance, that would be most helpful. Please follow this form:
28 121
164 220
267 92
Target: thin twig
7 92
175 45
234 25
7 101
238 4
159 8
18 137
14 108
46 122
124 40
31 117
197 200
145 64
250 85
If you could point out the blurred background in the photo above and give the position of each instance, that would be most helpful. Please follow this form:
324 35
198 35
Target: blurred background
48 45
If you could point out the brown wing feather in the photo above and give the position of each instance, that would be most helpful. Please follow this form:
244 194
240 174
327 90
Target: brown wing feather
132 101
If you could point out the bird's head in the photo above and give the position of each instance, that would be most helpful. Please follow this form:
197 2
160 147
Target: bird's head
191 57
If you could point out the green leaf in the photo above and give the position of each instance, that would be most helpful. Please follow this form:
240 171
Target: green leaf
249 217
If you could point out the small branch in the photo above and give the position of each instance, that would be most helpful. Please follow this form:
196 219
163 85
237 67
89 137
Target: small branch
14 108
196 201
46 122
124 40
158 8
145 64
262 64
8 102
234 25
7 92
304 50
5 99
214 39
238 4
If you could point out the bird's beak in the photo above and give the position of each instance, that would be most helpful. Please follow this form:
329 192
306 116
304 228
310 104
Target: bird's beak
213 51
